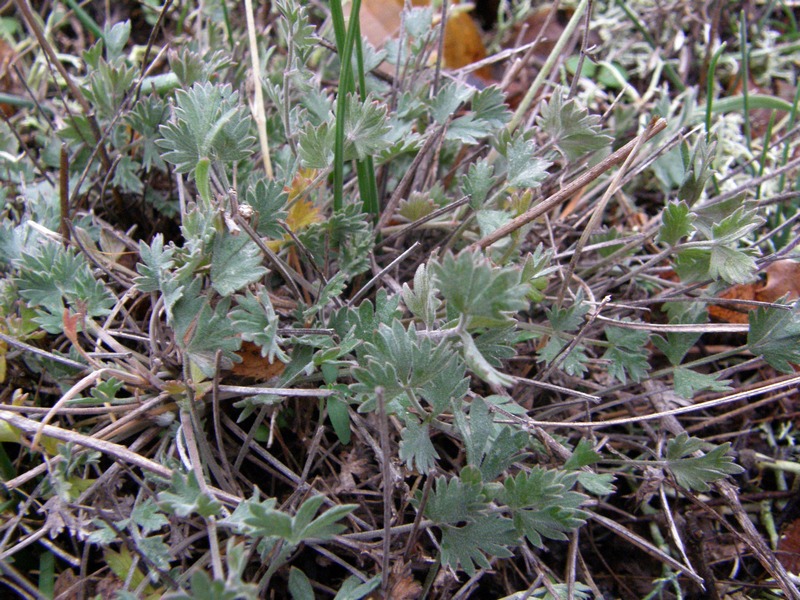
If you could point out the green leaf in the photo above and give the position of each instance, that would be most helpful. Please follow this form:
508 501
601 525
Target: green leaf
108 85
155 273
447 101
582 456
186 498
688 382
208 122
696 472
422 300
490 220
734 266
324 526
398 360
315 145
697 169
255 320
416 448
128 176
447 386
235 263
453 502
366 128
468 545
574 363
775 336
474 288
481 367
676 223
146 515
467 130
734 227
599 484
489 105
543 505
354 589
154 548
145 117
115 39
364 321
693 264
201 330
627 355
261 519
203 588
299 585
571 127
339 415
675 345
535 271
52 278
491 448
570 318
268 199
524 169
477 183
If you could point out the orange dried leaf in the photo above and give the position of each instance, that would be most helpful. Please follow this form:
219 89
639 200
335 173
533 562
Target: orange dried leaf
255 366
302 214
734 313
380 22
783 279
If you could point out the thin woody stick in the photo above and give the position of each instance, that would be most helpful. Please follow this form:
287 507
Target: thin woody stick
571 188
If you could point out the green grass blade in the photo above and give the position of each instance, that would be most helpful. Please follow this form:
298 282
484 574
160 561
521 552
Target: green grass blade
345 39
712 68
367 185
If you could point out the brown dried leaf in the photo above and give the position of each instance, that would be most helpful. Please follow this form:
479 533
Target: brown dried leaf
8 81
788 552
351 467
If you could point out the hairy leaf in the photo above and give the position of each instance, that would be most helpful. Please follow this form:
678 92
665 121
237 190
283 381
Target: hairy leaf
366 128
235 263
416 448
543 504
255 320
268 200
490 447
775 336
675 345
52 278
422 300
472 287
571 127
469 544
209 122
524 169
696 472
688 382
676 223
186 497
477 183
627 355
202 330
453 502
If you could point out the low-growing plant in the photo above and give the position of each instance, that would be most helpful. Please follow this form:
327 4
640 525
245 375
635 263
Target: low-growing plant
378 328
